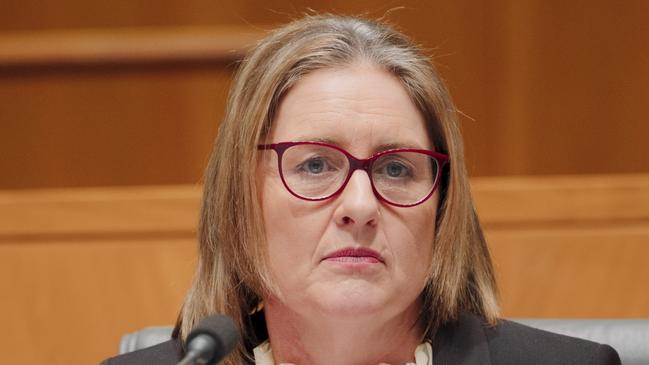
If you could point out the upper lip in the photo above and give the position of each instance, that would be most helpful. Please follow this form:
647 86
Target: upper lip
355 252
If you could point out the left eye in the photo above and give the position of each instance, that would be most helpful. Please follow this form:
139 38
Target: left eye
394 169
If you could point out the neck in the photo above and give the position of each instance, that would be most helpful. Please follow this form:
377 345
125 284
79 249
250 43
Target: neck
356 340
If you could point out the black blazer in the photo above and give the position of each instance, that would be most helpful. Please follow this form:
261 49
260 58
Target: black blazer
464 342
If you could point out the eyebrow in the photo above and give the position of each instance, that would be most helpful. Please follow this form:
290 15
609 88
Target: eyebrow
392 146
323 140
377 149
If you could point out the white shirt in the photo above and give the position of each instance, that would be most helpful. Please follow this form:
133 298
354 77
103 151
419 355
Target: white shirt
264 355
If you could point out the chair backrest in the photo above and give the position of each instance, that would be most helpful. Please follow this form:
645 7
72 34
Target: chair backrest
630 337
143 338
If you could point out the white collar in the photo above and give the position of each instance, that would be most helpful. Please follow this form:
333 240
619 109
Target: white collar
264 355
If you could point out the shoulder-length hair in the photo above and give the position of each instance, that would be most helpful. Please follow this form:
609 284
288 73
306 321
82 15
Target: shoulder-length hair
232 272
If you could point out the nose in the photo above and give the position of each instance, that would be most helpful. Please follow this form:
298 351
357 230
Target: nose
359 207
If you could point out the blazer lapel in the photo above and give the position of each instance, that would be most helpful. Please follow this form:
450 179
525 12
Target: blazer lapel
461 343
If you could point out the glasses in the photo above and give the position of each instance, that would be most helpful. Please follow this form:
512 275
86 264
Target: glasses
316 171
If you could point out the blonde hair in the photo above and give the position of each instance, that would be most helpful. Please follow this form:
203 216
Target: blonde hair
232 273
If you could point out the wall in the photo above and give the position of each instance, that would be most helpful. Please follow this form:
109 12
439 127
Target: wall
121 93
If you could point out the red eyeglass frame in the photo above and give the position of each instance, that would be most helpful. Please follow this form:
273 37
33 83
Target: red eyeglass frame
357 164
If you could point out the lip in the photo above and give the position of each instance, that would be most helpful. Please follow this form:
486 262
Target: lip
355 255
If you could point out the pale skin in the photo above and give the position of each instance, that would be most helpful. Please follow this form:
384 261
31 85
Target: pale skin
331 312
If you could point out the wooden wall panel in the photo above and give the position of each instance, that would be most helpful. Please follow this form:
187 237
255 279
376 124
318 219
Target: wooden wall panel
143 125
587 272
133 46
96 213
559 201
82 267
568 246
68 302
569 85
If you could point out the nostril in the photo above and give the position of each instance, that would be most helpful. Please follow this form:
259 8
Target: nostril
347 220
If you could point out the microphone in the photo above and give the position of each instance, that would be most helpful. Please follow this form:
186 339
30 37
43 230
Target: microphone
208 343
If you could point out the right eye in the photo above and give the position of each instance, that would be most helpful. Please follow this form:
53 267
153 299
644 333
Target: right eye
314 165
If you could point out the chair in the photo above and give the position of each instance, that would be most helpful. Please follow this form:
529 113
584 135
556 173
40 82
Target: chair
629 337
143 338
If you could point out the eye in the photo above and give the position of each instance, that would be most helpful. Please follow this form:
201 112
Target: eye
308 161
396 169
314 165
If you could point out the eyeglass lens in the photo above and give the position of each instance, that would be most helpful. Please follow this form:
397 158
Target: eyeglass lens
316 172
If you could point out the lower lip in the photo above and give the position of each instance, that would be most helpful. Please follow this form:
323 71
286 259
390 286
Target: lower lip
354 260
353 265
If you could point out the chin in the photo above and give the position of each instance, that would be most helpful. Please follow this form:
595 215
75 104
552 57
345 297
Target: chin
347 302
349 309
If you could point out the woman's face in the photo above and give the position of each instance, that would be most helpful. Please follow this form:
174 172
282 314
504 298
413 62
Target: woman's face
363 110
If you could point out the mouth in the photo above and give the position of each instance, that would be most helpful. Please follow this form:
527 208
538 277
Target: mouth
355 255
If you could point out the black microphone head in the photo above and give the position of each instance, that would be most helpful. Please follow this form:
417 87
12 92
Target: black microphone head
222 330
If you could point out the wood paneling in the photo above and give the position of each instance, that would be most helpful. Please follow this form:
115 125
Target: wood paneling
130 46
587 272
559 201
567 88
99 212
68 302
83 266
135 125
548 87
568 246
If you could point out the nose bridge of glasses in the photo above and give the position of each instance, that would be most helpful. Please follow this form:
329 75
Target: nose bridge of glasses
359 164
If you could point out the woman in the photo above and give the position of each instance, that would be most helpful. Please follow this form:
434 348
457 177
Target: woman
337 225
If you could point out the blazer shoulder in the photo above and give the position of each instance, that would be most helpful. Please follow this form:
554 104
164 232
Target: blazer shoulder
514 343
166 353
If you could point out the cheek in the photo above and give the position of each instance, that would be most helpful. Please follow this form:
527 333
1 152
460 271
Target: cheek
279 217
412 237
293 230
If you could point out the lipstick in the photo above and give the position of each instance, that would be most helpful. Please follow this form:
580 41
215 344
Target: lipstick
355 255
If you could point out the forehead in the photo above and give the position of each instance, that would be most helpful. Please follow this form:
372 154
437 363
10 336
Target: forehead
359 107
